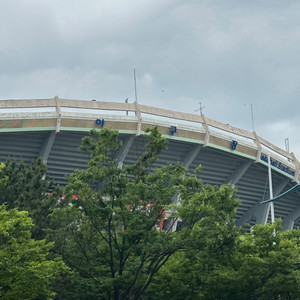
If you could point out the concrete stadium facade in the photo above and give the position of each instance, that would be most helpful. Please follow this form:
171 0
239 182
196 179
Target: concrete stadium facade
53 128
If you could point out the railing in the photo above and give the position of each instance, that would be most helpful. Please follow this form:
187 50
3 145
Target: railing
140 109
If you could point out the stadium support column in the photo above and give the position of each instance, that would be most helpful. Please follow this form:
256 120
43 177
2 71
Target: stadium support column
289 220
271 189
190 157
139 118
263 210
124 151
207 132
120 157
58 113
258 145
239 172
187 161
47 146
260 211
297 167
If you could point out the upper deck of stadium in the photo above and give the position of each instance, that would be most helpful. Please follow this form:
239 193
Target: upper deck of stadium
53 128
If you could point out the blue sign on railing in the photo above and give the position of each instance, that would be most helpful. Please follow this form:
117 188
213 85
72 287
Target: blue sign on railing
233 144
100 122
173 130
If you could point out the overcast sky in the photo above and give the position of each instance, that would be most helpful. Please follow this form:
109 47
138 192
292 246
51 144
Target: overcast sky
228 55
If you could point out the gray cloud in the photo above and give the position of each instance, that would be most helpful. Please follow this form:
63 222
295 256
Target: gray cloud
226 54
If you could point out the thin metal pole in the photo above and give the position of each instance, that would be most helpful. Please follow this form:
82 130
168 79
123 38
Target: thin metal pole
271 189
252 118
200 109
135 85
287 145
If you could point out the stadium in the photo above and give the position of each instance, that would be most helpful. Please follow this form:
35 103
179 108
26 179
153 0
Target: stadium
53 128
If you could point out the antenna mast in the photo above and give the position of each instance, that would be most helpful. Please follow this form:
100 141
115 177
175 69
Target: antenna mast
135 85
200 109
287 145
252 118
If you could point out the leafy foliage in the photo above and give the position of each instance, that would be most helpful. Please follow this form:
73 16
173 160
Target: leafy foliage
262 264
108 233
3 179
25 271
27 188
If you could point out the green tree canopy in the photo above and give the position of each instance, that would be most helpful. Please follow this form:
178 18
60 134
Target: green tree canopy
108 231
3 179
261 264
25 271
27 188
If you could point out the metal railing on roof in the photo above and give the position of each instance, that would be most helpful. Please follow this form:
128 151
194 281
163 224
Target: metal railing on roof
139 109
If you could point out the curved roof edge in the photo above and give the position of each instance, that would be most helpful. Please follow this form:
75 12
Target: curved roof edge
60 120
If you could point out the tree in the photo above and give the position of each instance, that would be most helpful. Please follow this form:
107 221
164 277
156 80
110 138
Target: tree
3 179
213 239
27 188
266 263
107 232
261 264
25 271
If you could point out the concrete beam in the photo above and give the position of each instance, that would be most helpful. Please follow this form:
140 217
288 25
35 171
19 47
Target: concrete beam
124 151
190 157
188 160
139 119
289 220
239 172
47 146
207 132
297 167
261 211
258 211
278 188
258 145
58 113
